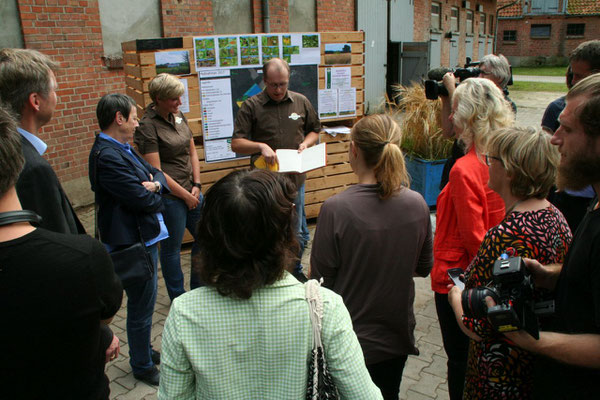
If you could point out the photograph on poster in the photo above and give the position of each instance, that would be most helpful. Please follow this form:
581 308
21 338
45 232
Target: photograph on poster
205 52
172 62
249 54
338 53
228 52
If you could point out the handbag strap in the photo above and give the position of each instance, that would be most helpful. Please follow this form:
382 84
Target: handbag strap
315 307
96 185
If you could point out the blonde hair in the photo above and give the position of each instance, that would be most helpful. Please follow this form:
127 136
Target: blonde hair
480 109
529 158
378 138
165 86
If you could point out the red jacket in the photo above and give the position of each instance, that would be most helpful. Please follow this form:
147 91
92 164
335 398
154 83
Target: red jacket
466 209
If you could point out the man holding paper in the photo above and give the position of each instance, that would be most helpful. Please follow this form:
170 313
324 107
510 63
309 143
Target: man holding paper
275 119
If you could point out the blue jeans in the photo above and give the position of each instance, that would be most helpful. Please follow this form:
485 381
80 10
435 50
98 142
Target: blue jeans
140 307
177 217
303 233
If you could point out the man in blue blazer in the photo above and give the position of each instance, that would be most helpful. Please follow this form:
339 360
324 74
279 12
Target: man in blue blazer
128 193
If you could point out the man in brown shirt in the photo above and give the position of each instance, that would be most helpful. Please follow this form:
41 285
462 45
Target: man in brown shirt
275 119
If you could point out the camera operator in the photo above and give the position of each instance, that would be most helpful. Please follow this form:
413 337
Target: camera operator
493 67
572 369
522 168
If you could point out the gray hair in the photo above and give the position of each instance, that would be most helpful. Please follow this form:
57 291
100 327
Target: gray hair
499 67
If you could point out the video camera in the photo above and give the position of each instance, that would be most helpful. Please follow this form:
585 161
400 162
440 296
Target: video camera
512 290
435 88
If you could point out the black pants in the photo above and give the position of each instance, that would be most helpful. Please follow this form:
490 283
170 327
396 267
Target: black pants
456 344
387 375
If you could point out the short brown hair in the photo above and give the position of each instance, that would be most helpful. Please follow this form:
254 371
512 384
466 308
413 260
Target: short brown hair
529 158
247 234
11 155
589 52
165 86
22 72
590 110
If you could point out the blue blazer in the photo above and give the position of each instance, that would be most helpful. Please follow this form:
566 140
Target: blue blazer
123 202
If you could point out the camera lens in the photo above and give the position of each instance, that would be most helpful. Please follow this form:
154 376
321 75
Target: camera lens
473 301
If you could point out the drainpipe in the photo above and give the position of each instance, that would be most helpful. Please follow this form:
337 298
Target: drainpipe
266 16
496 27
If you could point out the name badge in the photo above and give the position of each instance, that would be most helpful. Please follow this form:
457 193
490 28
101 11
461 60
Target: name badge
178 120
294 116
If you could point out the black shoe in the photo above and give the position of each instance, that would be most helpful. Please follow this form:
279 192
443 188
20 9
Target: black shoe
151 376
155 357
300 276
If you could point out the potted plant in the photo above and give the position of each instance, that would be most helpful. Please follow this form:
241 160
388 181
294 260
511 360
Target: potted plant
424 146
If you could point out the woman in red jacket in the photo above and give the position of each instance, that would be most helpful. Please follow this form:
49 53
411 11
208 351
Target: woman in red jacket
466 208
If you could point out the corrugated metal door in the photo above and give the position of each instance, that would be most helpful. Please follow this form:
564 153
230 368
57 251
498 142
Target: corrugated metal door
481 49
469 48
453 53
372 18
435 50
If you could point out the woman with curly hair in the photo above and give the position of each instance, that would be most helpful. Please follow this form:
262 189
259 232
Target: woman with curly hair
522 167
247 334
466 208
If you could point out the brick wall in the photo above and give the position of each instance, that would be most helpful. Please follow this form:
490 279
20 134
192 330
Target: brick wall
69 31
186 17
526 50
335 15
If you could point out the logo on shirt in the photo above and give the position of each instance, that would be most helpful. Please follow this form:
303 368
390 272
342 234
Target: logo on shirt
178 120
294 116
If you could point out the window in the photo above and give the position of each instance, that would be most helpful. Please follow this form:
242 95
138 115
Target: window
454 19
575 29
436 11
509 36
482 24
469 21
122 21
540 31
491 24
10 21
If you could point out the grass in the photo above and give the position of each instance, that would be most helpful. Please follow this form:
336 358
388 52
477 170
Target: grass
537 87
540 71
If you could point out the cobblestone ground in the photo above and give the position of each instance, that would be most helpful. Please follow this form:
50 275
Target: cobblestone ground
424 375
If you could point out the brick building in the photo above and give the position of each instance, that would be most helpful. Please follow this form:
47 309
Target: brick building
456 29
544 32
76 34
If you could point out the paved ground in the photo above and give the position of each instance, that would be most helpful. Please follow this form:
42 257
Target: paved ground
424 375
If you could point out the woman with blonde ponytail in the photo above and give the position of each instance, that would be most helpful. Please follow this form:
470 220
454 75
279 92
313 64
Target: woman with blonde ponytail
369 243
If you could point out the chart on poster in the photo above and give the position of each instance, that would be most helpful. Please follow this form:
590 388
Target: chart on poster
230 71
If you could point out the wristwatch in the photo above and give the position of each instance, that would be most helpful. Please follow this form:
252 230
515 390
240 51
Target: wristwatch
198 185
157 186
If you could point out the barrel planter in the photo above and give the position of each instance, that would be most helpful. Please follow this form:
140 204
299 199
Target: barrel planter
425 177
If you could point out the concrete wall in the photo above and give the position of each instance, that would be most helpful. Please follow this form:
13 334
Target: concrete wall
122 21
232 16
10 34
303 15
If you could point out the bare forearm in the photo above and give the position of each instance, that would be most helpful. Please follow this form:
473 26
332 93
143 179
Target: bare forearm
245 146
195 162
578 349
310 139
447 128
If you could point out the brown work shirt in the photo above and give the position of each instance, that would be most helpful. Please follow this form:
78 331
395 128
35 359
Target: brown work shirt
171 140
281 125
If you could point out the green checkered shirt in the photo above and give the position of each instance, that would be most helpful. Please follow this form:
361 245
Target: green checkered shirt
217 347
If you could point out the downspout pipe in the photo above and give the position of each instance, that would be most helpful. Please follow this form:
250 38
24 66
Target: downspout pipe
266 17
496 27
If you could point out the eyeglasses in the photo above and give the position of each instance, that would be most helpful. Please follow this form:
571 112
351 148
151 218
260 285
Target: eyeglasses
488 159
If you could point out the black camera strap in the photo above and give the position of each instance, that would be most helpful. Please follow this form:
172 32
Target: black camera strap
12 217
